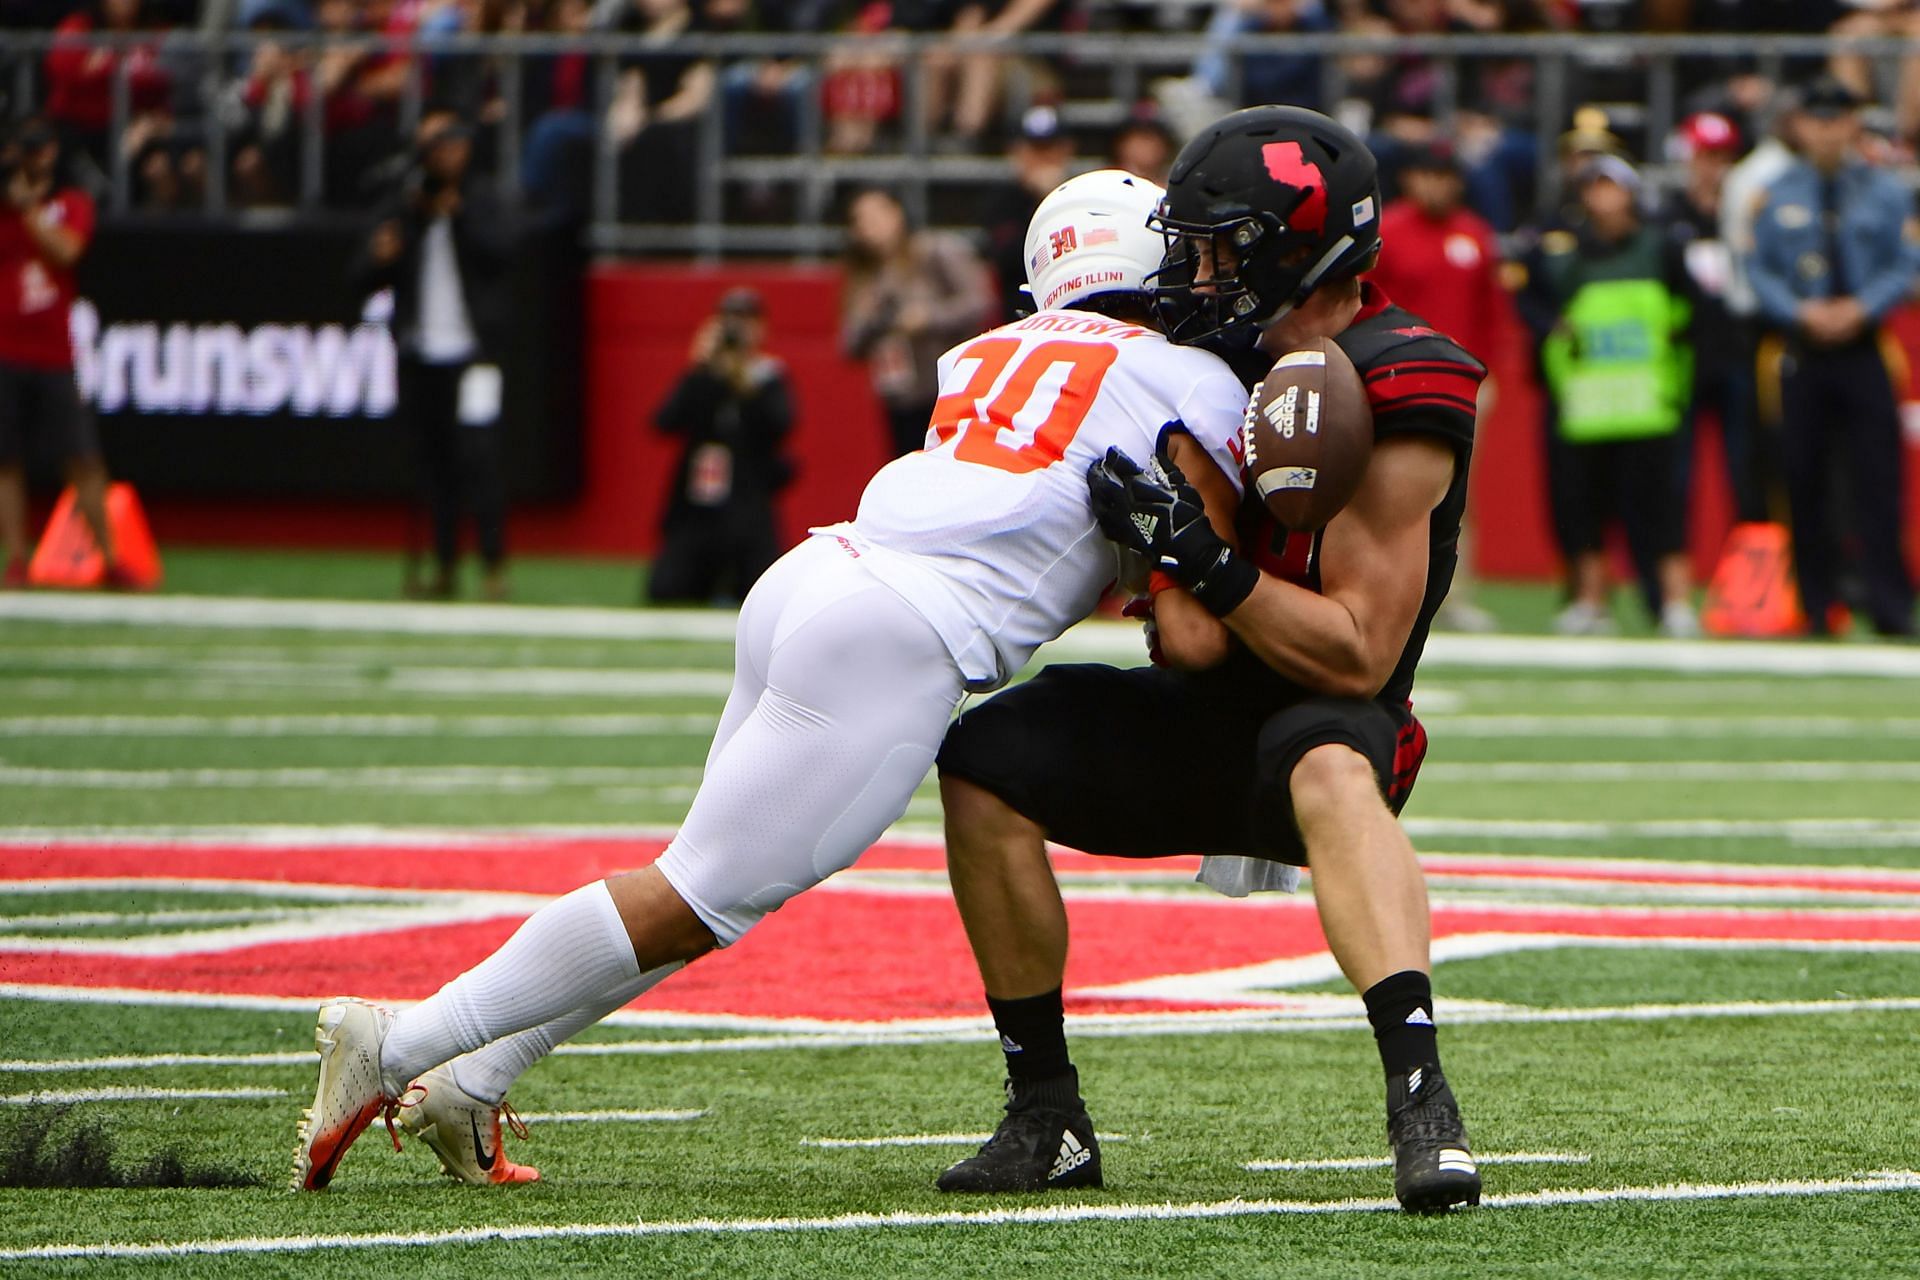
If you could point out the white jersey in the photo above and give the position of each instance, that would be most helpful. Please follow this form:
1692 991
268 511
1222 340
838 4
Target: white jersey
987 533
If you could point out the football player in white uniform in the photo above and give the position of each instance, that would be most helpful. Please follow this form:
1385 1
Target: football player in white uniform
851 655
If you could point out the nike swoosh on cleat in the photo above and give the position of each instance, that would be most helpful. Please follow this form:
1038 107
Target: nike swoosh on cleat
481 1155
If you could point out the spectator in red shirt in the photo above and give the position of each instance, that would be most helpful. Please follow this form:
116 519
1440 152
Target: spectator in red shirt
1438 258
80 77
44 231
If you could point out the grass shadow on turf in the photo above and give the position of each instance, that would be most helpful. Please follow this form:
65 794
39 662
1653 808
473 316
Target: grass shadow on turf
34 1154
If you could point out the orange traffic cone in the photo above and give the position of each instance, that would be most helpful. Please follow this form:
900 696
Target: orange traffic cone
1753 592
68 556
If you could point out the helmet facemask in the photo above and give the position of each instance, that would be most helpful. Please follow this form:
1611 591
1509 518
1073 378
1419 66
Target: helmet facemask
1194 309
1262 208
1268 279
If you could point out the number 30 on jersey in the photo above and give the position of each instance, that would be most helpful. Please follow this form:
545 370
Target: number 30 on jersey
1038 409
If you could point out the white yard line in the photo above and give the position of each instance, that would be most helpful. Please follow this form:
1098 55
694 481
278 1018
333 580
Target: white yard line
158 1061
317 925
704 687
134 920
429 779
131 1093
607 725
1656 726
922 1140
1677 771
319 893
563 681
1384 1162
1805 831
161 672
1810 832
1113 641
1591 898
611 1117
1211 1022
346 836
1797 830
1701 872
231 613
1030 1215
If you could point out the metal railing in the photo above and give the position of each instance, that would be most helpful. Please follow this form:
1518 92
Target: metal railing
209 68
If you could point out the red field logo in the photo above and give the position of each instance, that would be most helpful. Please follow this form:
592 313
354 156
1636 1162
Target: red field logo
882 942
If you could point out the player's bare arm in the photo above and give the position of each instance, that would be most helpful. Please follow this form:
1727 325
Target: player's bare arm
1346 639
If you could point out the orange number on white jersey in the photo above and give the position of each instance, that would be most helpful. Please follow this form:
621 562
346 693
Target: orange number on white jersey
980 430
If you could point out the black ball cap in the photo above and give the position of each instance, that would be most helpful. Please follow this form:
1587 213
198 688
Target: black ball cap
1829 97
1437 156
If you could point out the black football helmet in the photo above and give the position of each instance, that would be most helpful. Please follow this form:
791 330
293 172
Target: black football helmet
1294 194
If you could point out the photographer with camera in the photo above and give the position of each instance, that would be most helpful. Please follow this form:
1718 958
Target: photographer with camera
45 228
442 245
733 407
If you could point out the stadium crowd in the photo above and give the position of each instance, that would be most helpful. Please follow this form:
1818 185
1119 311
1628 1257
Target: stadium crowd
1491 248
353 69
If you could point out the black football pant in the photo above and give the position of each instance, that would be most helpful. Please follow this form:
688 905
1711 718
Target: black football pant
1064 751
457 468
1731 389
1841 421
1640 483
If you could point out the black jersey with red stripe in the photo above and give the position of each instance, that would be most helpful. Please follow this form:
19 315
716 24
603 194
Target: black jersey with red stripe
1419 382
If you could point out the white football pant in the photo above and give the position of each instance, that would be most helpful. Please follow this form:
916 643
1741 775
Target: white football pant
841 695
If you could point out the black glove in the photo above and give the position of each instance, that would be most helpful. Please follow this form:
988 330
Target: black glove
1160 515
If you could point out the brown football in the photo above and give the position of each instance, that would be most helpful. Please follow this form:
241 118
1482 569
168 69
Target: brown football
1308 435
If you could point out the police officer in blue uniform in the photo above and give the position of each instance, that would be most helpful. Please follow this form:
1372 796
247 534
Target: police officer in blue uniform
1836 246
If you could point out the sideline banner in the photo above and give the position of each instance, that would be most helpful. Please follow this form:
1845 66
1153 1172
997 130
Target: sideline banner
230 362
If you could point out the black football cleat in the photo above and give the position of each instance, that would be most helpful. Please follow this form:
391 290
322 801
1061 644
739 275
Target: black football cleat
1433 1167
1045 1143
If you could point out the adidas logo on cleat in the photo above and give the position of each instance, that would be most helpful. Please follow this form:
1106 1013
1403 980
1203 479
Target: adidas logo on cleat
1454 1160
1072 1156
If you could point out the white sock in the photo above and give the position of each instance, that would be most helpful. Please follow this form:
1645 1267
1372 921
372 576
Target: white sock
489 1071
570 954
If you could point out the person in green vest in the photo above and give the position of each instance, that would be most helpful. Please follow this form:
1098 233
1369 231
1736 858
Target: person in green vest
1609 299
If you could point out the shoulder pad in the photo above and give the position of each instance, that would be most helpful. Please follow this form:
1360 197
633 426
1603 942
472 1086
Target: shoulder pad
1396 337
1418 380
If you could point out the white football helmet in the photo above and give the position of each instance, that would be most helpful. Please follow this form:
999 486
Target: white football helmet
1090 236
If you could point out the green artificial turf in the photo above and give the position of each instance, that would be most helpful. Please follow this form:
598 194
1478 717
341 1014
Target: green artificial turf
109 728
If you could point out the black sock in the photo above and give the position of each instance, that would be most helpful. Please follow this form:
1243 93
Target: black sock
1400 1007
1033 1035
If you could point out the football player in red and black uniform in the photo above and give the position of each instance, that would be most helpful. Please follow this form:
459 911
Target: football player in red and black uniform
1280 724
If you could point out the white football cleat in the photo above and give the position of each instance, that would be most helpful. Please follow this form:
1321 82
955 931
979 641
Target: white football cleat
349 1096
464 1131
